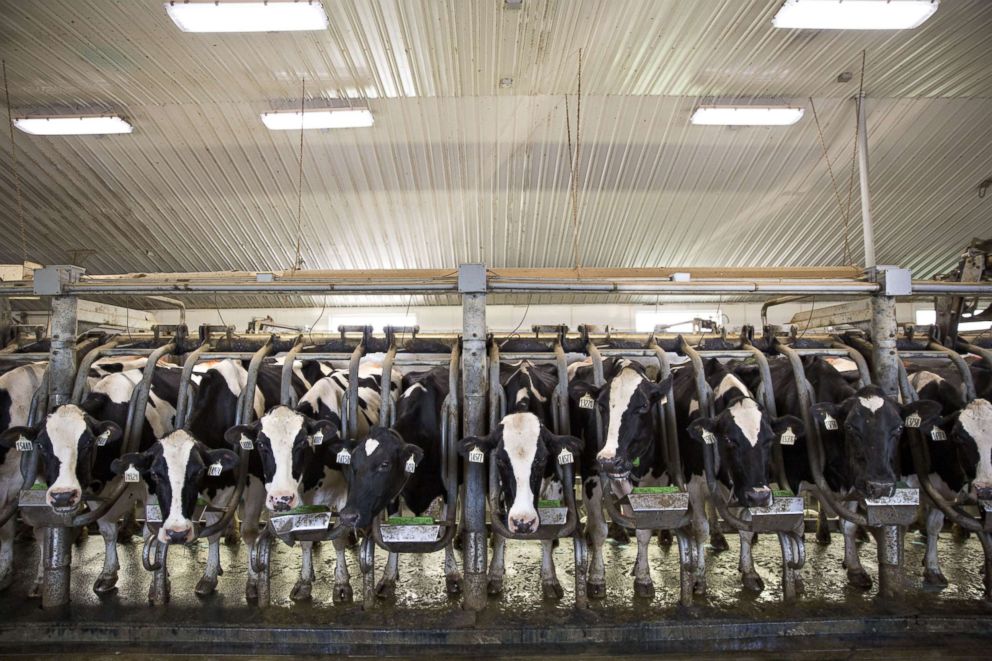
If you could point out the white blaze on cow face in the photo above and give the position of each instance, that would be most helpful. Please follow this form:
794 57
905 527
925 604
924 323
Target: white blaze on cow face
976 421
727 383
176 448
622 389
370 446
747 417
281 426
412 389
872 402
920 380
65 426
520 435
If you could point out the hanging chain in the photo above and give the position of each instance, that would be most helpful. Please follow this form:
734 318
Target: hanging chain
298 261
13 168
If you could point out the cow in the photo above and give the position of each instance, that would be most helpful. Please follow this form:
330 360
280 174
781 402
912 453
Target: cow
17 387
378 472
295 468
627 453
743 434
77 444
958 435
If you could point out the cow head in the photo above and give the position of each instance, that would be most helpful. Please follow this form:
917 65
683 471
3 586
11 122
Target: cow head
744 435
971 432
67 442
176 470
524 387
872 424
521 447
284 440
377 470
625 404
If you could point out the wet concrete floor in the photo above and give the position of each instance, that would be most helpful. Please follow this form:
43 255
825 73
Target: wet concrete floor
421 601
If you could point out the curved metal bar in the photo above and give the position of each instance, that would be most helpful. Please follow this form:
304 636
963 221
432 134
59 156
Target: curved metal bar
564 424
149 551
137 409
567 476
386 384
496 395
709 451
966 381
768 397
909 393
86 518
814 445
260 552
859 360
921 463
670 422
449 444
986 354
353 365
29 460
287 395
185 379
83 371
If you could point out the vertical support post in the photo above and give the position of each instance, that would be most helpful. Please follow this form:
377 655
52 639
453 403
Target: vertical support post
62 370
866 220
472 285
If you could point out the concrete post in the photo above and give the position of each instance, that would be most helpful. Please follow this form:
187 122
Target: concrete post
472 285
62 372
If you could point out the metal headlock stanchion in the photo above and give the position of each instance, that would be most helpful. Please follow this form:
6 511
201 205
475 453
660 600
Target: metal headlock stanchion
155 554
785 515
555 522
651 508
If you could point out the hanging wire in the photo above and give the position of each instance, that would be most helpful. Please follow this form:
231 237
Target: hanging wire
514 331
573 161
854 157
13 168
298 260
833 180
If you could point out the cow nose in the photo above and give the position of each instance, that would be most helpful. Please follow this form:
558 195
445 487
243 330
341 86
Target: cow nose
177 536
282 503
613 466
983 492
63 499
758 497
880 489
522 525
349 518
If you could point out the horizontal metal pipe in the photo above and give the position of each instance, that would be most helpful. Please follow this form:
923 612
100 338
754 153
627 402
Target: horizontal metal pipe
967 288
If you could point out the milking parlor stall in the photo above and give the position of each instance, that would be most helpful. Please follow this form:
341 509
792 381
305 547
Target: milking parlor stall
496 327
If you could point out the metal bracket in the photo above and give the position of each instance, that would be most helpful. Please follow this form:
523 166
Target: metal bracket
472 278
49 280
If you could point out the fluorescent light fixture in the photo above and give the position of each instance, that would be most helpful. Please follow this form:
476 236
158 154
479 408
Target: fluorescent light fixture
334 118
746 115
74 125
268 16
854 14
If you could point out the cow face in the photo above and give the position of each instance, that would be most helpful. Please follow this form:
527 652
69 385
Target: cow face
872 425
524 390
284 440
66 441
744 435
972 434
625 404
521 447
176 470
377 472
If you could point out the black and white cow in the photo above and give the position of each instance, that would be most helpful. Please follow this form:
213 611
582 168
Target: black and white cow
627 454
959 439
378 472
77 444
296 468
744 434
17 387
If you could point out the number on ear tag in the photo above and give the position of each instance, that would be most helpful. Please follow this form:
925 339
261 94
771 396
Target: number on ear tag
788 437
476 456
318 438
246 443
24 445
938 434
411 465
215 469
132 474
914 421
344 457
565 457
708 437
587 402
829 422
102 439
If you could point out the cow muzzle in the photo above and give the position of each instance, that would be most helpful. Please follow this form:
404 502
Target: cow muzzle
64 500
282 502
522 523
614 467
875 489
760 497
176 535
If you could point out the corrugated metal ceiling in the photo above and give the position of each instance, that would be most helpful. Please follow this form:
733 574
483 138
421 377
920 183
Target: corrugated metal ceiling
458 169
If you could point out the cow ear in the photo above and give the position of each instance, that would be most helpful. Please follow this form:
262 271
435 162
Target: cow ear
579 389
702 429
824 412
234 434
484 443
140 460
325 427
789 423
227 459
558 443
927 410
333 448
656 391
94 402
108 427
9 438
413 451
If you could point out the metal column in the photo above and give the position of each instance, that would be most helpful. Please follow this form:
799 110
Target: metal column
472 285
866 220
62 372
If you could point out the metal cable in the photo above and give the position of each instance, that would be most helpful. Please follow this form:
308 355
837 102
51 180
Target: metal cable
854 161
573 161
13 168
297 261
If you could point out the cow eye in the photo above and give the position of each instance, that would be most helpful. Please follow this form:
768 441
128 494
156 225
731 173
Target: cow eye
384 464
